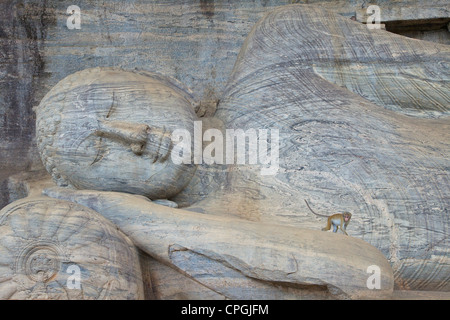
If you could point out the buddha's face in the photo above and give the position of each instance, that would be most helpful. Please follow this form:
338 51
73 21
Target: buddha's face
112 132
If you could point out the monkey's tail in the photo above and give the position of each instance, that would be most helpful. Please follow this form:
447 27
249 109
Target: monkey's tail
319 215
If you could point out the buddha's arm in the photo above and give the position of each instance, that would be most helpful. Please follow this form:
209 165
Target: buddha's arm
270 253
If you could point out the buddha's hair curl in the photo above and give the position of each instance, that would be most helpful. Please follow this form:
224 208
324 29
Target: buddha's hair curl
48 120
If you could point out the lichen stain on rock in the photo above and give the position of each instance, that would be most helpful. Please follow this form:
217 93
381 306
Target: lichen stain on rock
207 8
34 19
22 33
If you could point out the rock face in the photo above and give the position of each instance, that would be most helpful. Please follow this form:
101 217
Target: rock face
22 78
53 249
362 117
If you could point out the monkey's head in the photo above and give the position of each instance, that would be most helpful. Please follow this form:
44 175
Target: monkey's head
347 216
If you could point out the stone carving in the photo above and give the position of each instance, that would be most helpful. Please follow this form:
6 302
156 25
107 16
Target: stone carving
54 249
362 122
243 259
305 70
93 112
103 136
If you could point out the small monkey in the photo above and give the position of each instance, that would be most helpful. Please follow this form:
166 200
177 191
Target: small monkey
338 220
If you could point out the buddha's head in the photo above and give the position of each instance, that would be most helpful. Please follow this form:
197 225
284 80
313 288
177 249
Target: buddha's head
108 129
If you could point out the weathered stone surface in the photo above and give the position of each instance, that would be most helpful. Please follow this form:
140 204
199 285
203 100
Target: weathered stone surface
28 184
425 20
420 295
338 150
53 249
23 29
439 36
243 259
390 10
112 108
195 42
170 284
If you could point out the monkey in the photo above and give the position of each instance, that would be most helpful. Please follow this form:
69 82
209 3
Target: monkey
338 220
